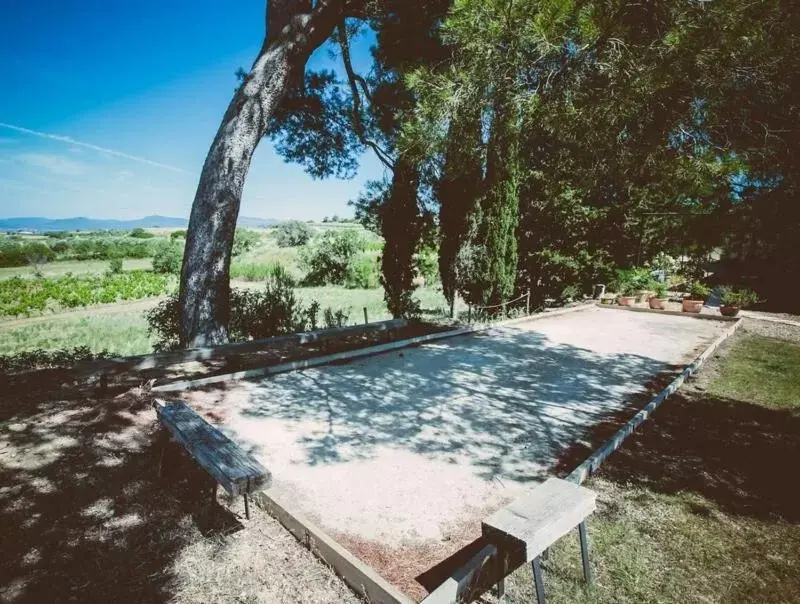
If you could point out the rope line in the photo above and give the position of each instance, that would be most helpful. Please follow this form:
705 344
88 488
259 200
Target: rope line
522 297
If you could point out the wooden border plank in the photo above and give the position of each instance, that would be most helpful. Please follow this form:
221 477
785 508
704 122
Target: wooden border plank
356 354
361 577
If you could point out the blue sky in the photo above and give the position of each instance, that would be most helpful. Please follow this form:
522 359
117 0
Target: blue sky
140 88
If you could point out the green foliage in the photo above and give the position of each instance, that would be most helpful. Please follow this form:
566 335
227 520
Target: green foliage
292 233
427 264
115 266
659 287
742 298
174 235
328 259
140 233
23 296
632 280
270 312
697 290
256 272
363 273
32 360
168 258
20 253
244 241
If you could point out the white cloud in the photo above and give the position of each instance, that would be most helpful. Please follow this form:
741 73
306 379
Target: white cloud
55 164
75 143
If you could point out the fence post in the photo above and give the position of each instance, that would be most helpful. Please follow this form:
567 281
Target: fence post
469 313
453 307
366 317
528 303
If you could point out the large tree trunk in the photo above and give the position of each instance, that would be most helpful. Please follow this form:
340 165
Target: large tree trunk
294 30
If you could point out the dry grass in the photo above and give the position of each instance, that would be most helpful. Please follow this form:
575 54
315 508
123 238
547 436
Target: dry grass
85 518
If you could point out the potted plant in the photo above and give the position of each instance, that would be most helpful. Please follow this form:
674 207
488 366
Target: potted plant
657 300
628 296
697 296
733 300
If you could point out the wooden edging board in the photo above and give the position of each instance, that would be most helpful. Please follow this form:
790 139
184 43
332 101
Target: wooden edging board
361 577
159 359
444 594
357 354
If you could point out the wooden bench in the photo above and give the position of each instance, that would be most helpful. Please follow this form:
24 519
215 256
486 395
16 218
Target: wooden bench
535 521
238 472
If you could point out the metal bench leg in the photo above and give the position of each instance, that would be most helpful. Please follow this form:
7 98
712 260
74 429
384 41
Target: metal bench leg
587 570
246 507
537 580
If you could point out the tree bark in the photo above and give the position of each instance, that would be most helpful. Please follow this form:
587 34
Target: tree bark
294 29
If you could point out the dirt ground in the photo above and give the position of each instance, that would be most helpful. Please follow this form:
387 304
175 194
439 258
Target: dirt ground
399 456
85 518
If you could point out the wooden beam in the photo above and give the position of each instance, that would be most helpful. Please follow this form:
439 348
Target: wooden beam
361 577
237 471
354 354
539 518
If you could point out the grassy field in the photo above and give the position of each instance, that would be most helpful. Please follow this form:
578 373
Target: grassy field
124 332
76 267
762 371
698 505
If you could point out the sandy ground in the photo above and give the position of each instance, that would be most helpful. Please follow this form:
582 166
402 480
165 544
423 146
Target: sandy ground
407 451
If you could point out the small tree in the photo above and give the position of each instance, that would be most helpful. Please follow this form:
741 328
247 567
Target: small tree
140 233
329 259
244 241
168 258
292 233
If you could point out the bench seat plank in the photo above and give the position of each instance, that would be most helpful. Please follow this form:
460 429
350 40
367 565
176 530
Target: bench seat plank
237 471
538 519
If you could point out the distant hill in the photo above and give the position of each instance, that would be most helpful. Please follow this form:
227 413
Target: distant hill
97 224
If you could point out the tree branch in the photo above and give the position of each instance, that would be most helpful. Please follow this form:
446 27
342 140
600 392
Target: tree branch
353 79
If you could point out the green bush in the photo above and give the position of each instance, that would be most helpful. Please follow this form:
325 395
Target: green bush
244 241
115 266
168 258
254 314
363 273
427 264
23 296
174 235
697 290
140 233
256 272
328 259
292 233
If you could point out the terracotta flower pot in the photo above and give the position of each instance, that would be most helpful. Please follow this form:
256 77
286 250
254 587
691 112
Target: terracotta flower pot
657 303
694 306
729 310
626 300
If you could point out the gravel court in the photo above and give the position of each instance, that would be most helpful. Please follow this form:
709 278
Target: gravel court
408 450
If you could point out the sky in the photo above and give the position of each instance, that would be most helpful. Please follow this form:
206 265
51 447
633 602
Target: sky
109 107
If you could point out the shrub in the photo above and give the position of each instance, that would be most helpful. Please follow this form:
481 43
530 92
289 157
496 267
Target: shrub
47 359
174 235
140 233
328 259
292 233
632 280
244 241
115 266
363 273
168 258
254 314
